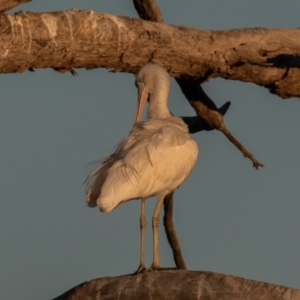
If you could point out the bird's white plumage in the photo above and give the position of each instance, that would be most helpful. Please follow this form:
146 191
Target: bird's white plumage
155 158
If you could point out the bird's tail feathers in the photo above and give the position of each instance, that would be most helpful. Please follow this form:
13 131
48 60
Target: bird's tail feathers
110 184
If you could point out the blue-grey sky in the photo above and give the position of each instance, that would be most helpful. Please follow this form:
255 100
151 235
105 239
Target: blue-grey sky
229 217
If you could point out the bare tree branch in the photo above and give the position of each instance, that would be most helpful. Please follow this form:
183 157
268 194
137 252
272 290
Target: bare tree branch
9 4
77 39
148 10
171 233
199 100
212 116
245 152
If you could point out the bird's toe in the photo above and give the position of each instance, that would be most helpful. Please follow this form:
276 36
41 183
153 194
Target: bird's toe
140 269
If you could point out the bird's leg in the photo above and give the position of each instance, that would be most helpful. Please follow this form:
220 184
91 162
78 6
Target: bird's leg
155 224
143 224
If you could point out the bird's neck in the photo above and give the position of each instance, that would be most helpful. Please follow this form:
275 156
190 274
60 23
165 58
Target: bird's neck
158 108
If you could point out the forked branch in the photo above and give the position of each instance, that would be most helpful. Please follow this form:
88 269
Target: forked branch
212 116
205 107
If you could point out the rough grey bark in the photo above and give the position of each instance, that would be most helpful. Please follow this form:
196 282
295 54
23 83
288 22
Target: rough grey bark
179 285
9 4
85 39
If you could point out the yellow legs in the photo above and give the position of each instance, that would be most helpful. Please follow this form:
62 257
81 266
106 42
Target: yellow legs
155 224
143 224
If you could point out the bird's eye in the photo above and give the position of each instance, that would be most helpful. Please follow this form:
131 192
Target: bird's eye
138 81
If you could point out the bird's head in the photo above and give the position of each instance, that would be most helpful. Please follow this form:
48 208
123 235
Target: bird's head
149 79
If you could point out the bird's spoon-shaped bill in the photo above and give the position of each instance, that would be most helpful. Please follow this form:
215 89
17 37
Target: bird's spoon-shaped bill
142 98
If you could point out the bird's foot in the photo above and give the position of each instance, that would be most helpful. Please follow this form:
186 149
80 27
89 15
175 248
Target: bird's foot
159 268
143 269
140 269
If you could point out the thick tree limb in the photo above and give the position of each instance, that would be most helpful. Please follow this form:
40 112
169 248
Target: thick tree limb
9 4
77 39
179 285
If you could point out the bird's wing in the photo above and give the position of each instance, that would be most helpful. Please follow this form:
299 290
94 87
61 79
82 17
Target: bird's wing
152 153
150 137
156 145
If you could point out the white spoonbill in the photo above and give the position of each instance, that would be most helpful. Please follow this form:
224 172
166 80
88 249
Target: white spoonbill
154 159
